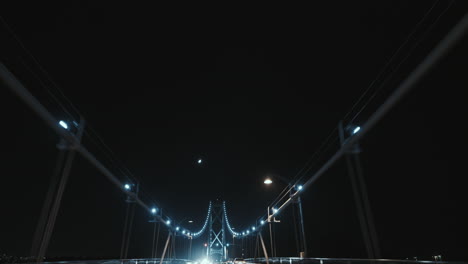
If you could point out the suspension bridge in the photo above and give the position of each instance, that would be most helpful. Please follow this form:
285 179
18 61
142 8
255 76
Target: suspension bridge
218 234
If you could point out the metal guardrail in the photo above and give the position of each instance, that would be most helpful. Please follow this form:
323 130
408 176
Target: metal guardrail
296 260
119 261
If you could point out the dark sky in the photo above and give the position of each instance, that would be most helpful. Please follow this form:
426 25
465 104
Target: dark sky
251 90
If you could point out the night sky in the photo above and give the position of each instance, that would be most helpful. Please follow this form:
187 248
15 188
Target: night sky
253 91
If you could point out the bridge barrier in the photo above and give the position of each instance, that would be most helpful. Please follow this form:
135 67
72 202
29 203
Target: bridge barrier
120 261
296 260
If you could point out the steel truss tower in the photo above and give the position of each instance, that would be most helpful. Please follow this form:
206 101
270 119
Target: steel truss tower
217 224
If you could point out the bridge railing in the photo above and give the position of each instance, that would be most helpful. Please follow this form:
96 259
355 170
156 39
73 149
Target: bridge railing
122 261
296 260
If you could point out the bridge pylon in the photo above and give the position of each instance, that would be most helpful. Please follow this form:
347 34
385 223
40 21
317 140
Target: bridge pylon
217 237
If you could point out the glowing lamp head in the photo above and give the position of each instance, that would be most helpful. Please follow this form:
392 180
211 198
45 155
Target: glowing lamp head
168 222
356 129
183 232
177 228
154 210
267 181
127 187
253 228
262 222
299 187
275 210
63 124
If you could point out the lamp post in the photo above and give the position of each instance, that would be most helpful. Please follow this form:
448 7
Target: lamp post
358 185
154 248
52 202
302 239
179 229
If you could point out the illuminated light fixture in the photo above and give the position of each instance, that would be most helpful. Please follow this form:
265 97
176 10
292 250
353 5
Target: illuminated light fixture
248 232
127 186
227 245
299 187
168 222
217 244
188 234
267 181
183 232
262 222
356 129
63 124
177 228
154 210
253 228
243 233
275 210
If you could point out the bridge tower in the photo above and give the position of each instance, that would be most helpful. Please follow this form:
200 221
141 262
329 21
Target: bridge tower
217 237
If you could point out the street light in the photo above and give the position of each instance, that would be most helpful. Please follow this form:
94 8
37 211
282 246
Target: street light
154 210
127 187
299 203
